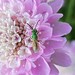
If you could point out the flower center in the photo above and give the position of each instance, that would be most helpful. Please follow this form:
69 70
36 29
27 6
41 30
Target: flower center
12 38
20 30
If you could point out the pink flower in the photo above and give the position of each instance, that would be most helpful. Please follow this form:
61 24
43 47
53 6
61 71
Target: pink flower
30 35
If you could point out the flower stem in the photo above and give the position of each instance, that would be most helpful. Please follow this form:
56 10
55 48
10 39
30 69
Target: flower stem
70 11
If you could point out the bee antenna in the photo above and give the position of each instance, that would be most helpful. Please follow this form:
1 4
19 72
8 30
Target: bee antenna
30 26
37 24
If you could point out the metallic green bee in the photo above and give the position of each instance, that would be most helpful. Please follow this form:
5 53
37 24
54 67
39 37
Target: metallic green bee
34 37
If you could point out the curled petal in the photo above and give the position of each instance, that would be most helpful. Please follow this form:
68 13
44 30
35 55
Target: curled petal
61 29
56 5
61 59
34 10
54 17
28 66
43 8
41 68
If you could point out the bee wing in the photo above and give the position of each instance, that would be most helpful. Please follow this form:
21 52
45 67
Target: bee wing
35 45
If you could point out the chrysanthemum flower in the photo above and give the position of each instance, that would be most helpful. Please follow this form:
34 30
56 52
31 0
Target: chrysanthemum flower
30 34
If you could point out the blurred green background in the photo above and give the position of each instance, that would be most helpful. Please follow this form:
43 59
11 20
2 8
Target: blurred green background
68 10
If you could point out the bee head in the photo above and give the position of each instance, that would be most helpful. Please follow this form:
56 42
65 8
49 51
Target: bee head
34 31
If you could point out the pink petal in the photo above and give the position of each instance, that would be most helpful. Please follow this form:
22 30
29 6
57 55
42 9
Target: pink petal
54 17
61 28
43 0
43 8
45 32
41 68
28 5
61 59
24 67
56 5
34 10
54 70
28 66
21 69
48 52
54 44
40 1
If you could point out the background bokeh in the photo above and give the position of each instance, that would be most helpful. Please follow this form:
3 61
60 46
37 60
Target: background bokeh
68 10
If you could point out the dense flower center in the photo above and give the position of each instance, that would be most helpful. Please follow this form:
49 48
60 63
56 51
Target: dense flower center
14 40
19 38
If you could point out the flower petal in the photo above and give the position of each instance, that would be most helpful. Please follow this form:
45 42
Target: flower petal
43 0
61 59
61 28
34 10
21 69
40 1
28 5
45 32
54 17
48 52
41 68
24 67
43 8
56 5
54 70
54 44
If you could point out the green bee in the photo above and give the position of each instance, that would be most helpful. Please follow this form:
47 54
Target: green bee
34 37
